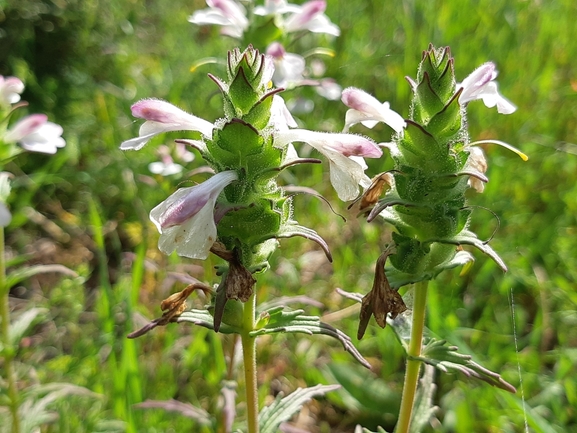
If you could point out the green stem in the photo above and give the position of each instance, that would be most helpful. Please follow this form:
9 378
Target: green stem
9 349
413 366
249 360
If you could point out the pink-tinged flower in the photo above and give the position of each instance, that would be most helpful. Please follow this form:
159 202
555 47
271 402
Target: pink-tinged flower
36 134
310 16
345 153
229 14
166 166
288 67
481 85
367 110
161 116
10 90
185 220
329 89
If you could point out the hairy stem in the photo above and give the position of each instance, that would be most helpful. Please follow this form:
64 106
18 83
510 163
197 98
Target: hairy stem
249 361
9 349
413 366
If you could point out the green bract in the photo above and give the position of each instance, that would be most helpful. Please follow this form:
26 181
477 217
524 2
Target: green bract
426 202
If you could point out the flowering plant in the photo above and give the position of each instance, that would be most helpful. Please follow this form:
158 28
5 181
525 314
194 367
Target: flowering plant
424 195
273 26
32 133
241 211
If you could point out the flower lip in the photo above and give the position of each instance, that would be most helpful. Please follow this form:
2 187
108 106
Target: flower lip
367 110
480 84
162 116
10 89
36 134
187 202
186 219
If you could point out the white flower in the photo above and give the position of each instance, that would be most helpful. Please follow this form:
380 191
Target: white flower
367 110
344 151
229 14
10 90
308 16
477 163
36 134
185 220
288 67
160 117
480 84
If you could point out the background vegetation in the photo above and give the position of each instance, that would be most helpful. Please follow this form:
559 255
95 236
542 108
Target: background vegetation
85 62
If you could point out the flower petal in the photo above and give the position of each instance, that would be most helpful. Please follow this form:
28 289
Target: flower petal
343 151
36 134
367 110
480 84
10 90
161 116
186 219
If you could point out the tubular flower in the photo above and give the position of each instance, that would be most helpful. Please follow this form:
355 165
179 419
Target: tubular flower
161 116
344 152
229 14
480 84
186 218
10 90
36 134
367 110
310 16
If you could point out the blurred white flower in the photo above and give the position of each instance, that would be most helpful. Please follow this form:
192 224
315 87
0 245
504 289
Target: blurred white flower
367 110
288 67
329 89
161 116
36 134
229 14
480 84
185 220
308 16
10 90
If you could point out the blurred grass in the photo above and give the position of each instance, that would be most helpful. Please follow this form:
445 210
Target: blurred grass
86 61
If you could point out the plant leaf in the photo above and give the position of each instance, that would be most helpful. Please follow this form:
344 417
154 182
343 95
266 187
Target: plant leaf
280 321
185 409
424 409
22 323
18 275
33 411
282 409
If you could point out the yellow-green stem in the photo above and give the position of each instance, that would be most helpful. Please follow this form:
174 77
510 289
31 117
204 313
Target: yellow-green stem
9 349
249 361
413 366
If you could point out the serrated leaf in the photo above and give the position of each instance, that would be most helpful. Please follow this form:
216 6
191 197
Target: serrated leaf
447 359
204 318
18 275
281 321
282 409
424 409
22 323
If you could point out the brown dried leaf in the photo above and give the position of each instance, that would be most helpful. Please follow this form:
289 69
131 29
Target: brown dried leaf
381 300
